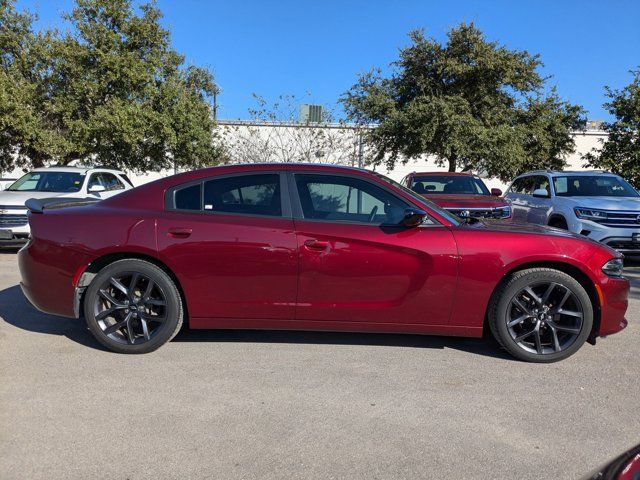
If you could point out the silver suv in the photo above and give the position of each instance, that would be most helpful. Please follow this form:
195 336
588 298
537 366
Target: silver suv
596 204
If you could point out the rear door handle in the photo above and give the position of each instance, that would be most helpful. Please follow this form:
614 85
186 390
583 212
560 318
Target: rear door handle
313 244
179 232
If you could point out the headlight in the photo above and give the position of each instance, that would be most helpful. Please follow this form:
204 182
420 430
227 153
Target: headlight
613 268
505 212
590 214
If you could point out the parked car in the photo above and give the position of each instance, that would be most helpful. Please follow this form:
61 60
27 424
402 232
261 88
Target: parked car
462 194
97 183
314 247
5 182
623 467
596 204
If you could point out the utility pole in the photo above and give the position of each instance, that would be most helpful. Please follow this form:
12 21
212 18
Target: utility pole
360 151
215 105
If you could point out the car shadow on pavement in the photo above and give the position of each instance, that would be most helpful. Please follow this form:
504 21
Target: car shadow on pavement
16 310
486 347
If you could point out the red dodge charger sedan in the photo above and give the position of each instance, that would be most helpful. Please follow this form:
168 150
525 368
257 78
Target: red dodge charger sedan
313 247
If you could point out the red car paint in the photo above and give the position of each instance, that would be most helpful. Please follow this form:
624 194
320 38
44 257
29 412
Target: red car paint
239 271
457 202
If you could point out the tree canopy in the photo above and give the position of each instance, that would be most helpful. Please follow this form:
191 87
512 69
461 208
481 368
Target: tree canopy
620 152
111 90
472 103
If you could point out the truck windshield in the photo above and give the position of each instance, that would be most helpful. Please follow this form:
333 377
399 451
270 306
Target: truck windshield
428 203
448 184
592 186
60 182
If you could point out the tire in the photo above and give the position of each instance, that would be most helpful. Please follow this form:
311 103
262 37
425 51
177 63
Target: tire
138 320
559 222
521 305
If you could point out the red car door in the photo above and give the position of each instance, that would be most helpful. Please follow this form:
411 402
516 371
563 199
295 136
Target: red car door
231 241
353 268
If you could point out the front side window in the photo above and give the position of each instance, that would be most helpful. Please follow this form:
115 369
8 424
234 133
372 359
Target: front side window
592 186
59 182
107 180
540 182
334 198
523 186
449 184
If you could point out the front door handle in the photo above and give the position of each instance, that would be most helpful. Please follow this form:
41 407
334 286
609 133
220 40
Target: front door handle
176 232
313 244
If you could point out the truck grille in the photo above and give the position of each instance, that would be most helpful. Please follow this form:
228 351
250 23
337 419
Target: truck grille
621 219
480 212
624 245
13 220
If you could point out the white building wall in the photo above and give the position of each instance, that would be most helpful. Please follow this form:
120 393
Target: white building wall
329 144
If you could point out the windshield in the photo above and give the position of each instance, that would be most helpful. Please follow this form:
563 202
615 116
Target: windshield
60 182
592 186
428 203
448 185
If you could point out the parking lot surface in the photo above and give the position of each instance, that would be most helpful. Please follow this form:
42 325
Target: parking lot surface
267 405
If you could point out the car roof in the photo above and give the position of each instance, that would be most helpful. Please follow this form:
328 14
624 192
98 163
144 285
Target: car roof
578 173
76 169
443 174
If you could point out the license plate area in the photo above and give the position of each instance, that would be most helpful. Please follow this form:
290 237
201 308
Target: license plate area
5 234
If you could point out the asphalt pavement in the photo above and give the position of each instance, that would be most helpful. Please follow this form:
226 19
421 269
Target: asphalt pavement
298 405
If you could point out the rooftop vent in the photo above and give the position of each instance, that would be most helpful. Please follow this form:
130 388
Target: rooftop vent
310 113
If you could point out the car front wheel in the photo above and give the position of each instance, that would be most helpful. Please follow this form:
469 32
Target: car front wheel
541 315
133 306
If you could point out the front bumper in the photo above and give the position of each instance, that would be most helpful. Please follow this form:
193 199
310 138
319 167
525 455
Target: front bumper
17 225
622 239
614 300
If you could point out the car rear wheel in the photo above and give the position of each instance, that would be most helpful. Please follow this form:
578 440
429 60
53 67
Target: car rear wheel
133 306
541 315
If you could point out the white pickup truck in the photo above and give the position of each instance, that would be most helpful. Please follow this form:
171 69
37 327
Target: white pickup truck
74 182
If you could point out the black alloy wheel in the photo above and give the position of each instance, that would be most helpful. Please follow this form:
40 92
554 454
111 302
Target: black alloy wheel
133 306
541 315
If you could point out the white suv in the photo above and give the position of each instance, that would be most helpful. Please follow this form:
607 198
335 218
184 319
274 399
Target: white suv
75 182
596 204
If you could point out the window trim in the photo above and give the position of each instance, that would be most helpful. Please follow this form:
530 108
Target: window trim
169 196
299 215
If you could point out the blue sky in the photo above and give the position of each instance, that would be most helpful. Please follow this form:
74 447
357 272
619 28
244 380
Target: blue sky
294 47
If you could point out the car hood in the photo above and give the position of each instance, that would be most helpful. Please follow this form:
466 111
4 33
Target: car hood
466 201
17 198
501 226
606 203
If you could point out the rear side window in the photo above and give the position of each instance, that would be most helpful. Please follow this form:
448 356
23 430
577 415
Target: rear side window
245 194
189 198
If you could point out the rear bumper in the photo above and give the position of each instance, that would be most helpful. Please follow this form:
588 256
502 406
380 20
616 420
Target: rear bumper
45 279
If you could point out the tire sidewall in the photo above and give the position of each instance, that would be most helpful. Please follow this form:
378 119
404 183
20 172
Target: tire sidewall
532 277
169 327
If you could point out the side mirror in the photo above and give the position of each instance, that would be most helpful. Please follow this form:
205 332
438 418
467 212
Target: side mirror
496 192
541 193
413 217
96 189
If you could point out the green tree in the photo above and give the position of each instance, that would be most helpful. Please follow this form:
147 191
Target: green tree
109 91
473 104
24 135
620 152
